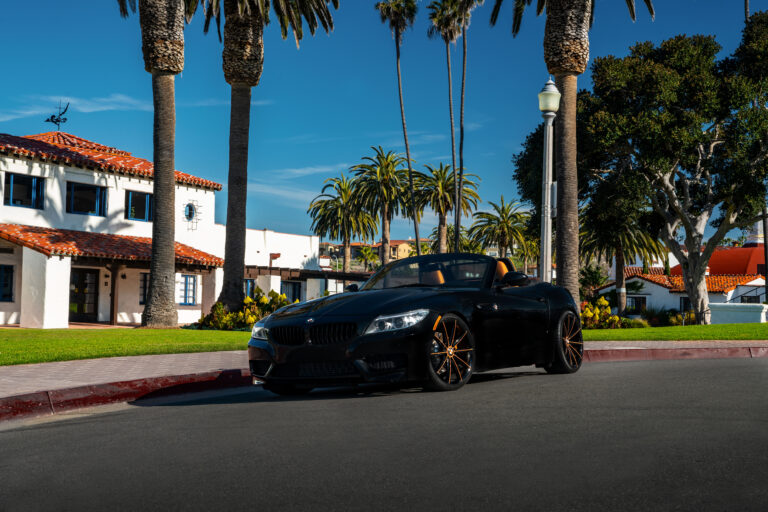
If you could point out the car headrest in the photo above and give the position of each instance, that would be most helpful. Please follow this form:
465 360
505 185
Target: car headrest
501 270
433 277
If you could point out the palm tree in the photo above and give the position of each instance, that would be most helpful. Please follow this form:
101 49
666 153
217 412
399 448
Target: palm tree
466 243
501 227
425 247
566 52
243 62
435 189
367 256
464 12
162 44
528 250
337 213
400 15
445 23
627 240
380 185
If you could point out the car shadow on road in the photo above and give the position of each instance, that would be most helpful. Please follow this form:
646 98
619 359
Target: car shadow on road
255 394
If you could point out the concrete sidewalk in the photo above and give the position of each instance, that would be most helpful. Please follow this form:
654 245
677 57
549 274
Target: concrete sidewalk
48 388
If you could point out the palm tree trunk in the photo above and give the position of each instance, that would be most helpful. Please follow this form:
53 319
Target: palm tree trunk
457 227
621 283
237 194
347 254
384 255
160 310
453 136
525 264
407 147
442 233
567 235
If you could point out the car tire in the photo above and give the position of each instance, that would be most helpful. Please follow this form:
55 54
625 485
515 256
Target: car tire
286 389
568 344
450 354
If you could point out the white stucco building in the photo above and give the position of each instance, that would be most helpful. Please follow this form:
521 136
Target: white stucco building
75 238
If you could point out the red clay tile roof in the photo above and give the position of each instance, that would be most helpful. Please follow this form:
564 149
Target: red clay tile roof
67 149
66 242
715 283
732 260
634 271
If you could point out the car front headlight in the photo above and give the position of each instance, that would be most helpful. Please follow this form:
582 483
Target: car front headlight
396 322
260 332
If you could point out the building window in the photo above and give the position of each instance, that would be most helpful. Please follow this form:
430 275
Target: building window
685 304
635 305
26 191
190 211
143 287
291 289
86 199
249 287
138 205
750 299
188 290
6 283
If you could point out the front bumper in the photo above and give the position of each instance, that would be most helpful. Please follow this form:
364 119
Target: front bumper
396 356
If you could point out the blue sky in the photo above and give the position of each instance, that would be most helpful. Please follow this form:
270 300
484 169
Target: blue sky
318 109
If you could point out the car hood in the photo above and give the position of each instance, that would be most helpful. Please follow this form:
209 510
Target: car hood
359 304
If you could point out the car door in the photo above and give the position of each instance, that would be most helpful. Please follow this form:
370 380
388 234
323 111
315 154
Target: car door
514 320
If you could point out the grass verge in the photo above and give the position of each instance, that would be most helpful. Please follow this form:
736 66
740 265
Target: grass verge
22 346
681 333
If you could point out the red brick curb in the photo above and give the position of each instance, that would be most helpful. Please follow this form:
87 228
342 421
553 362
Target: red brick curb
647 354
53 402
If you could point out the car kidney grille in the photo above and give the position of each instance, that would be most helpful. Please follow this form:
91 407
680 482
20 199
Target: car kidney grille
287 335
330 334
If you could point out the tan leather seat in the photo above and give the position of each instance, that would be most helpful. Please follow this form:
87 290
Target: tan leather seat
501 270
433 278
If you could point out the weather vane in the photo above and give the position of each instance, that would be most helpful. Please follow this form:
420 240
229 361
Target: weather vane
58 120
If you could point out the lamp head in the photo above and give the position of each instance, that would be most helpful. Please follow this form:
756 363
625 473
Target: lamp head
549 97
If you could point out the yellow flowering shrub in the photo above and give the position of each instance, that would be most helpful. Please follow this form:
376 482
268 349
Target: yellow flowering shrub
252 310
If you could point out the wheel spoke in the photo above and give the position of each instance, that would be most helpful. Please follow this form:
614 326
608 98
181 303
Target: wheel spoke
575 333
437 353
574 352
458 370
441 341
441 366
450 368
462 337
462 350
463 361
453 336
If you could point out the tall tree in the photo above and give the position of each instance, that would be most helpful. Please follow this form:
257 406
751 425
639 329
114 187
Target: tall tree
444 16
566 52
381 186
697 130
162 44
337 213
400 15
503 226
464 12
435 189
243 63
367 256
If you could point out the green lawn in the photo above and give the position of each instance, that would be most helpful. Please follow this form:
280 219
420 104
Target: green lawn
21 346
682 333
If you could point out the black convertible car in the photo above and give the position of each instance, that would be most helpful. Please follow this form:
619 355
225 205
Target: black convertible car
433 320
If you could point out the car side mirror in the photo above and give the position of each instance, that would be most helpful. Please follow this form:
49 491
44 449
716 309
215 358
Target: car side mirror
352 288
514 279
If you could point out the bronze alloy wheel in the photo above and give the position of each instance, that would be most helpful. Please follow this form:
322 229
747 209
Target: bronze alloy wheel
451 354
569 345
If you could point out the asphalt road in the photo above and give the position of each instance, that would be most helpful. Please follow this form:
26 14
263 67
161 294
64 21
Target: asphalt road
662 435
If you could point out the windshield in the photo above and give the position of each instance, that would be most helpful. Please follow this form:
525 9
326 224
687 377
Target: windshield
443 270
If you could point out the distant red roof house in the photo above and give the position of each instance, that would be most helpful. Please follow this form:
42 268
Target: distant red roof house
67 149
732 260
715 283
67 242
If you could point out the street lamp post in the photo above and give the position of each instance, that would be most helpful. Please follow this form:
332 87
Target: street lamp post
549 102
